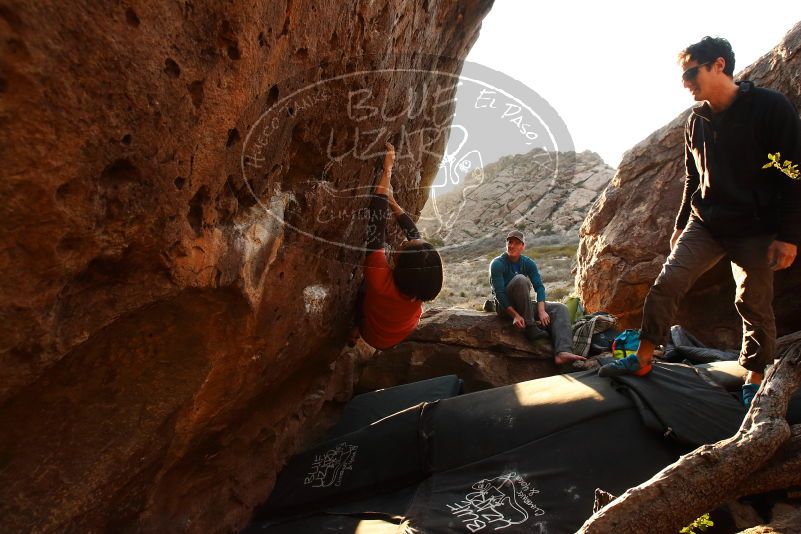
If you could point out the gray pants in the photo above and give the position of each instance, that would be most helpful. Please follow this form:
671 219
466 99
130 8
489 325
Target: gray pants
695 253
518 292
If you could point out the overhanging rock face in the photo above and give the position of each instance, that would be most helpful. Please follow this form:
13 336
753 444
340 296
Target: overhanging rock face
624 239
178 278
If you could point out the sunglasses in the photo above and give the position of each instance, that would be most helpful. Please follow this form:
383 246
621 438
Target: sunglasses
690 74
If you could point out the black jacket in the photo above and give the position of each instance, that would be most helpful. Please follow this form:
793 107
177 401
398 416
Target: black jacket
725 186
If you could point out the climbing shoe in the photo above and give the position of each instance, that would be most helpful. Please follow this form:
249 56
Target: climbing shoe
534 332
749 391
629 365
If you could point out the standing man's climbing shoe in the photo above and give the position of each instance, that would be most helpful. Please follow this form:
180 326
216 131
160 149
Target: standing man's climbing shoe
749 392
629 365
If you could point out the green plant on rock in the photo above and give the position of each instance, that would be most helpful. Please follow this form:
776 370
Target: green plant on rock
786 166
702 523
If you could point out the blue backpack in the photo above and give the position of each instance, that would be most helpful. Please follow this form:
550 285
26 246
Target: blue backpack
626 343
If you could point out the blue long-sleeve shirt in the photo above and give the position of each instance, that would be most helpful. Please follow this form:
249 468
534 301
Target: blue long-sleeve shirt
502 270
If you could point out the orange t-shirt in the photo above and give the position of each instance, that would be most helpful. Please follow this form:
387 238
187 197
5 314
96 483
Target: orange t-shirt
389 316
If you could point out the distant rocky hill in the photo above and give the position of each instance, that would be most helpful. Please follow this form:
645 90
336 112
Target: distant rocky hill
545 194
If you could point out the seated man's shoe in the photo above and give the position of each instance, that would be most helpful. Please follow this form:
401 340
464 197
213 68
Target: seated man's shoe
534 332
749 392
629 365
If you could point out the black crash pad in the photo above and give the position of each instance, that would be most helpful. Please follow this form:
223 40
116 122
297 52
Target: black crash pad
376 459
546 485
519 458
367 408
730 375
698 410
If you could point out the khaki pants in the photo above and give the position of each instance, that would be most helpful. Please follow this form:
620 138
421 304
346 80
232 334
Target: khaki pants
695 253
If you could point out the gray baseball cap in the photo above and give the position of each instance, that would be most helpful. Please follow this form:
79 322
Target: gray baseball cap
517 234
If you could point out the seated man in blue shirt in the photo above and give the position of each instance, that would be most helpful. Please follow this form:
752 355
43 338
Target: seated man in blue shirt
512 276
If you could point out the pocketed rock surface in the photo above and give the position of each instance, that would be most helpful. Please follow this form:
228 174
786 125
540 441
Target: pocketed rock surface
179 245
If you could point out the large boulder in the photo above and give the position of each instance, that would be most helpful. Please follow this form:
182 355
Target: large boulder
624 239
178 266
481 348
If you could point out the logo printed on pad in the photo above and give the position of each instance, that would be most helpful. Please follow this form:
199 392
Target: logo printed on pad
328 468
496 503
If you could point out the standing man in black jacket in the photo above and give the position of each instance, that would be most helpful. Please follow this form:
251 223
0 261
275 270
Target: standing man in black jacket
732 207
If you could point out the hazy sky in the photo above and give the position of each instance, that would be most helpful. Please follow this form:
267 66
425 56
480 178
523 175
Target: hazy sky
609 68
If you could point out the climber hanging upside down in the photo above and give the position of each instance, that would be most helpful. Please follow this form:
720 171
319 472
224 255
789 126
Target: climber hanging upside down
390 299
